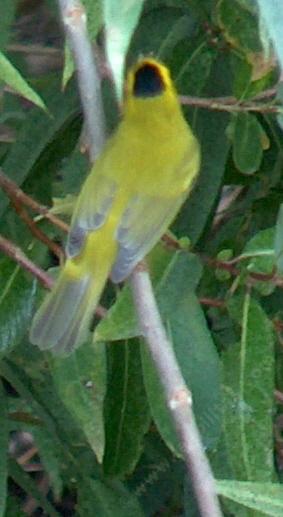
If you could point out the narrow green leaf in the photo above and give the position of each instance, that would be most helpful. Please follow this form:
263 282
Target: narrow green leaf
121 321
106 500
4 433
214 150
17 297
248 384
247 146
127 415
11 76
69 66
48 453
36 133
278 245
120 19
8 10
81 382
263 497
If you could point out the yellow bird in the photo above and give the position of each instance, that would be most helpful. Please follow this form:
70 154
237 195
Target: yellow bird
130 197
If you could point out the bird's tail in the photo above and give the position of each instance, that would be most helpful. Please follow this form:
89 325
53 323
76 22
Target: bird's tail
63 321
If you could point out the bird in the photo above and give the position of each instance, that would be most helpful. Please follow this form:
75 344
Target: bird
130 197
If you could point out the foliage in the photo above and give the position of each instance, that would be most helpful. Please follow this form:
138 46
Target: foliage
100 429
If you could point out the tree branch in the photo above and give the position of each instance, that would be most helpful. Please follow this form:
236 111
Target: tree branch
178 397
19 256
14 192
75 21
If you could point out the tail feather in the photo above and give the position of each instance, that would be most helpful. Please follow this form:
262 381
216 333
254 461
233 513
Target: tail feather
62 322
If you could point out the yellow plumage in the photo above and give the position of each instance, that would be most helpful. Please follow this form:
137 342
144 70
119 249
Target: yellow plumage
130 197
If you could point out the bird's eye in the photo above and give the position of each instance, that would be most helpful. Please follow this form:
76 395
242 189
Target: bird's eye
148 81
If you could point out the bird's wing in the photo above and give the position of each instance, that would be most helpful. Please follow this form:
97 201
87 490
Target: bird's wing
92 209
144 221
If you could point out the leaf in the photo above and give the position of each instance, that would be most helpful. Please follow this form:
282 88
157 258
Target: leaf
210 130
10 75
247 147
81 383
263 497
120 21
4 435
36 133
17 297
121 321
106 500
8 10
239 26
127 415
260 255
194 349
278 245
49 457
248 384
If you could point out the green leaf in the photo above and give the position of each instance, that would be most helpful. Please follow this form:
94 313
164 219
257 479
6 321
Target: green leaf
10 75
120 19
81 382
17 297
127 415
49 457
194 349
248 385
35 135
4 435
8 10
240 26
69 66
247 146
106 500
121 321
278 245
260 250
263 497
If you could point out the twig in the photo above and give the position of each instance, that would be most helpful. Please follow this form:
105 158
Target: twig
35 231
18 255
74 19
177 394
178 397
13 191
231 104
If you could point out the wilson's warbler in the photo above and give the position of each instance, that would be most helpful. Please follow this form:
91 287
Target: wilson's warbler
132 194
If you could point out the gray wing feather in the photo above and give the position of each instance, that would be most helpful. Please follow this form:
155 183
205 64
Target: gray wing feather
90 213
142 225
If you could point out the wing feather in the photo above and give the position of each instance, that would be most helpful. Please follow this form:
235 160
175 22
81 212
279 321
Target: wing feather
143 223
93 207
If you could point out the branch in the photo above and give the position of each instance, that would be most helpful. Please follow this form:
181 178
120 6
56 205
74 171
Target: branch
14 192
177 395
19 256
75 21
232 104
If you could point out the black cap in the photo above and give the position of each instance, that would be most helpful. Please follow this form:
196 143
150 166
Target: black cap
148 81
